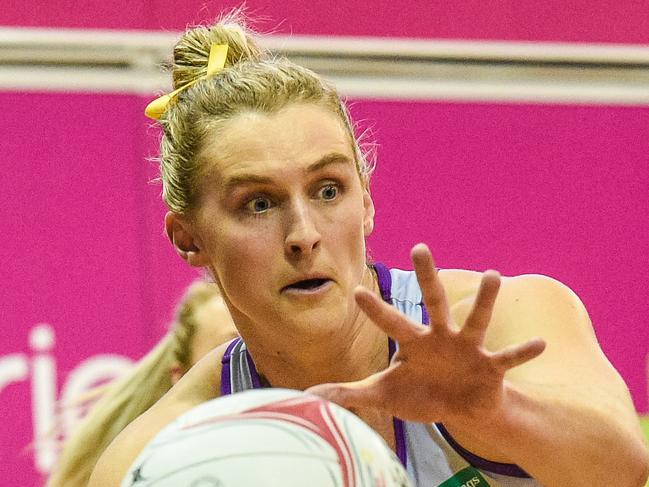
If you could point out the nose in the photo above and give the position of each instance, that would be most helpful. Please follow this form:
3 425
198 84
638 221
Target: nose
302 235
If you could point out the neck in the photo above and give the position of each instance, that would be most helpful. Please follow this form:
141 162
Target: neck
331 362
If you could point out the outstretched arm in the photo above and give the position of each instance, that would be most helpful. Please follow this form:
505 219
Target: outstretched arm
565 417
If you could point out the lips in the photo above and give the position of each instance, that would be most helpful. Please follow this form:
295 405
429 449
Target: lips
306 284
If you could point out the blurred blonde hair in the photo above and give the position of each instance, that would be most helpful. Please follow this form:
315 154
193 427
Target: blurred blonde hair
123 400
252 80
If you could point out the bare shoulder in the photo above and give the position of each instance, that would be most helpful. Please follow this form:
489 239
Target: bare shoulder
537 306
462 286
527 306
539 288
459 284
201 383
520 299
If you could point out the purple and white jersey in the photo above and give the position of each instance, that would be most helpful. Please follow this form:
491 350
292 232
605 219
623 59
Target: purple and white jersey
430 454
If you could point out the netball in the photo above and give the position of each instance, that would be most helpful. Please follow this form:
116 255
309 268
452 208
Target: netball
267 438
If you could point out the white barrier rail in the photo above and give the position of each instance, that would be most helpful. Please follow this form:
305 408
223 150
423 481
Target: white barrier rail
410 69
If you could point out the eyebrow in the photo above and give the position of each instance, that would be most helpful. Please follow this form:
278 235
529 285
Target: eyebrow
333 158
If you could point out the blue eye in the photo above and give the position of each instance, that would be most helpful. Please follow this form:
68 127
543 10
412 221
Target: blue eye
258 205
329 192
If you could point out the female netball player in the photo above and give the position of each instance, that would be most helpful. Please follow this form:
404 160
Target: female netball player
267 189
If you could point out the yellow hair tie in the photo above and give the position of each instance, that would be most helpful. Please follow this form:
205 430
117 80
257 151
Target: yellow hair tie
215 63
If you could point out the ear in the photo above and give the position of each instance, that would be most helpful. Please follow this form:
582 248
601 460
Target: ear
175 373
185 242
368 220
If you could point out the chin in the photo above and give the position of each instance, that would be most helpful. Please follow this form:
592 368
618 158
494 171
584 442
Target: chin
319 321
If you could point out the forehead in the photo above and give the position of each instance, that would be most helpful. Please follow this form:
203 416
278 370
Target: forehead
297 134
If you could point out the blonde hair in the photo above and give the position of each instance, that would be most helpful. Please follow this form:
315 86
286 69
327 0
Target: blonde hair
125 399
252 80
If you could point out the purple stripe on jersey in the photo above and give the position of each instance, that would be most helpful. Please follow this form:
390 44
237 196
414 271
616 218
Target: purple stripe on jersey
425 319
400 440
226 388
399 434
385 281
385 286
487 465
254 375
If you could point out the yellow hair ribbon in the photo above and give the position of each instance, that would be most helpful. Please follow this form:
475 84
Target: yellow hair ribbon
215 63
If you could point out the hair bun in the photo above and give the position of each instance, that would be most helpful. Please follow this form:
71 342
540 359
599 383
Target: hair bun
192 51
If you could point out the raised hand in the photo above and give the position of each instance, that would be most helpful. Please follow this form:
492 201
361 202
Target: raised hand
440 372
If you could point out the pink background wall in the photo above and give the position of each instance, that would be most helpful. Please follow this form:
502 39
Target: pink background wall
551 20
559 190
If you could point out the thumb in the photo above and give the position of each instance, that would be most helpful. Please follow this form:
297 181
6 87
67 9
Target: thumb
359 394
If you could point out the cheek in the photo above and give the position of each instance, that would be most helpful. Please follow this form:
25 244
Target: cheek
239 253
351 227
346 243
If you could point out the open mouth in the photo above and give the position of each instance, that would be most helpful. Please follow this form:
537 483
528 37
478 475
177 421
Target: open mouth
307 284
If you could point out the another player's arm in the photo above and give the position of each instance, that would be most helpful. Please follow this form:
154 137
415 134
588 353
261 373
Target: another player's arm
201 383
569 419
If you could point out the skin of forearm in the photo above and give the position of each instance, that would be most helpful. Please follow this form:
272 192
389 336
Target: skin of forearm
569 438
